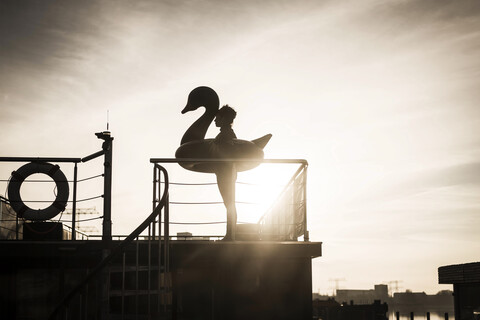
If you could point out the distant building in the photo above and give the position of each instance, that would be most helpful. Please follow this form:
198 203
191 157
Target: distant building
380 292
409 298
420 302
403 302
321 297
466 288
332 310
8 224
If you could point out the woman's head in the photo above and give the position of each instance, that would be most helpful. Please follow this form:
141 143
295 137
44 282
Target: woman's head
225 116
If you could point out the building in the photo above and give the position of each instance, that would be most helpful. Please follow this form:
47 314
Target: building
331 310
369 296
402 302
9 228
420 302
466 288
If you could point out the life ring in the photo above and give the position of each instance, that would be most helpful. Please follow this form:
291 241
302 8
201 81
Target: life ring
19 176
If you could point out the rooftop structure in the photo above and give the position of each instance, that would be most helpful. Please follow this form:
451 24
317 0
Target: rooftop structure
380 293
56 272
466 288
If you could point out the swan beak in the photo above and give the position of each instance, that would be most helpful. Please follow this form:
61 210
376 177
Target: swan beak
187 108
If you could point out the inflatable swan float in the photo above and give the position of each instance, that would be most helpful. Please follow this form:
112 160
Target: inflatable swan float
194 144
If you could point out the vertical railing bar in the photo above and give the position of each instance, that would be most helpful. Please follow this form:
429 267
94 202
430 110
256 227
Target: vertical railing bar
74 205
98 309
86 298
95 287
123 285
106 280
16 226
306 236
81 304
159 274
166 251
136 278
154 203
154 200
159 252
107 147
148 270
154 231
62 284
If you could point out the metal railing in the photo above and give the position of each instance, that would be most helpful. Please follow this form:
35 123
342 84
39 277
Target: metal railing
79 304
287 218
107 175
140 257
277 223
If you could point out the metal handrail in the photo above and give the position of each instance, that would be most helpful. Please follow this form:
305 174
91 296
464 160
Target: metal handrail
107 151
120 248
177 160
303 165
292 179
40 159
301 170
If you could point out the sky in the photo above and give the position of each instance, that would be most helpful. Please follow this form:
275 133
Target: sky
379 96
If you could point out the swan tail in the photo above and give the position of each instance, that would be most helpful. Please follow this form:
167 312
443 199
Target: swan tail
262 142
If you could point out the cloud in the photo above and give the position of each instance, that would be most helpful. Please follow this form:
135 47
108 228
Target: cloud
456 175
453 184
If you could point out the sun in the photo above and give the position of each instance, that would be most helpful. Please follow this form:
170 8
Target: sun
257 190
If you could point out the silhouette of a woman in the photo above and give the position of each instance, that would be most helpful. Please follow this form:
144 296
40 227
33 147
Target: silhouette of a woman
226 172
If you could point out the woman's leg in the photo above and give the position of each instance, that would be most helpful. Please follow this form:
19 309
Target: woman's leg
226 178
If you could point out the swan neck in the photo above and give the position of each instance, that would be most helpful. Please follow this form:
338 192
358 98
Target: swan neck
198 129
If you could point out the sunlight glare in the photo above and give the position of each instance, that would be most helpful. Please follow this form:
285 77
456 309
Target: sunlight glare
258 189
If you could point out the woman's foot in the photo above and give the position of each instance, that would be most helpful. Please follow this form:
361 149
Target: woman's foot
228 237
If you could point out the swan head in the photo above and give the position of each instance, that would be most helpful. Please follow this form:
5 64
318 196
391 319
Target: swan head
202 97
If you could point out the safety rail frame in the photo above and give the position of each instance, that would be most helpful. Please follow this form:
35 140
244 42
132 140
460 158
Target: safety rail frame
300 173
107 151
302 169
163 288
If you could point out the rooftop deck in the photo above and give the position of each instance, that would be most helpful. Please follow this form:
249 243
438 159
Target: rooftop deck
83 252
266 272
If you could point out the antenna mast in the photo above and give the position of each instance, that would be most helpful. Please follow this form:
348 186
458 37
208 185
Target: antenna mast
337 284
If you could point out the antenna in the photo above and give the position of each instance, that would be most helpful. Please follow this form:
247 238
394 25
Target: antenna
107 119
337 281
395 282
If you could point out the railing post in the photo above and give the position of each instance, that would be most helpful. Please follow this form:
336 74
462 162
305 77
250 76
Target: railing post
166 262
104 289
74 205
157 184
164 281
16 226
107 147
306 236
